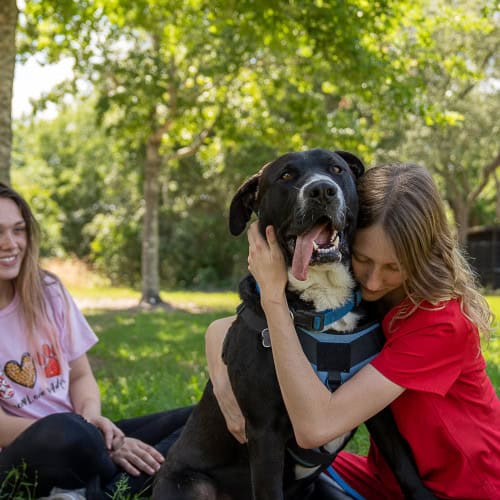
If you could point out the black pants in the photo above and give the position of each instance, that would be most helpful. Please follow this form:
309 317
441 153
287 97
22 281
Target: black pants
64 450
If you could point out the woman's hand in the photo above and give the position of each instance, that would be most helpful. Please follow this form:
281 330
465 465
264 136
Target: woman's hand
113 436
267 263
217 369
134 456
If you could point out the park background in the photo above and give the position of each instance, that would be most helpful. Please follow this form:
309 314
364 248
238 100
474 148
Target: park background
131 160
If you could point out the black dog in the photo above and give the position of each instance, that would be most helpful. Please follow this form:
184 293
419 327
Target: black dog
310 198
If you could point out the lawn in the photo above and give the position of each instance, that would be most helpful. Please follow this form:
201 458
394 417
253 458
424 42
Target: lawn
151 361
148 361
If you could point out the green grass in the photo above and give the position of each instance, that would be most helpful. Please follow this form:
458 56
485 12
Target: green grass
151 361
148 361
491 348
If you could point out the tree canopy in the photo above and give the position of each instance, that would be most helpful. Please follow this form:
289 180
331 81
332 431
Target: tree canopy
173 104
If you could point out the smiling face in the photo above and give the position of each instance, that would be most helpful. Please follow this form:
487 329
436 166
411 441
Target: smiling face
13 241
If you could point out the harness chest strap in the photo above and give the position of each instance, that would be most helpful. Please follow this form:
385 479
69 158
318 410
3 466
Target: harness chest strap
334 356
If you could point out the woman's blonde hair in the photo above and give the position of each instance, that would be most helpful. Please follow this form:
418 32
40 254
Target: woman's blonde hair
31 281
404 199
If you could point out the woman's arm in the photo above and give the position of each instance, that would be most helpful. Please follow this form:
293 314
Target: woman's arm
11 427
317 415
86 399
133 455
217 370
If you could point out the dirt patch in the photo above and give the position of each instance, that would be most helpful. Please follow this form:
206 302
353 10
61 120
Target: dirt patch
133 305
106 303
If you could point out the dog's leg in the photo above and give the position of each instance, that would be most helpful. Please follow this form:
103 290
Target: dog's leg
204 459
191 486
398 454
267 458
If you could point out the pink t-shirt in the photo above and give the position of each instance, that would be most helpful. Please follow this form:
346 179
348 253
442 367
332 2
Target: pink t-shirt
37 384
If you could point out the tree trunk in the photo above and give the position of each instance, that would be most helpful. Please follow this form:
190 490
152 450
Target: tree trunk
8 21
150 237
497 192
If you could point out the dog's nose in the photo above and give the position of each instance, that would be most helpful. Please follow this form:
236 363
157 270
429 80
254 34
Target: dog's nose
321 190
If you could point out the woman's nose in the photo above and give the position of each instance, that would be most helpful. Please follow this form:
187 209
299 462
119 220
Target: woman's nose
7 240
373 280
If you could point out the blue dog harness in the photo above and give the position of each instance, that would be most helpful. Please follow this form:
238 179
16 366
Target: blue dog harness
335 356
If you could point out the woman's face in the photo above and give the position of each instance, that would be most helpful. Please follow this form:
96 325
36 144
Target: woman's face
13 241
376 267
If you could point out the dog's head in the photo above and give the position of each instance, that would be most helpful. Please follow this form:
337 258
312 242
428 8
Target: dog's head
310 198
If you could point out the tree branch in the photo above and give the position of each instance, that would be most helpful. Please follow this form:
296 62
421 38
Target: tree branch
192 148
487 171
486 59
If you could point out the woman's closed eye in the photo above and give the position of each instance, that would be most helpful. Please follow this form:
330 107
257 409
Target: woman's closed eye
360 258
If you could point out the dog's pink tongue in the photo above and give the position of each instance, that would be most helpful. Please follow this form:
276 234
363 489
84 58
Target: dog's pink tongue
303 252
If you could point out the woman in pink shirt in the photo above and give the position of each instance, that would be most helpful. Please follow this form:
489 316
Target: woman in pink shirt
50 407
430 371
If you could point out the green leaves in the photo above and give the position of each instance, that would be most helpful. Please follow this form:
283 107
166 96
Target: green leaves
236 83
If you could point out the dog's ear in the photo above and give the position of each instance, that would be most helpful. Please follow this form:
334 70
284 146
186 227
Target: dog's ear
357 166
243 204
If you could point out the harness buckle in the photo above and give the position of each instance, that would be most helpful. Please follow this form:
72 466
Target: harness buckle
310 320
266 338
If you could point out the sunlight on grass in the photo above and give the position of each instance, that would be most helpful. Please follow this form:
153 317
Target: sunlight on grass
148 361
491 348
215 300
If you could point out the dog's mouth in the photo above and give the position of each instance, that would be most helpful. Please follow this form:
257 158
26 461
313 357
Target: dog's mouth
321 244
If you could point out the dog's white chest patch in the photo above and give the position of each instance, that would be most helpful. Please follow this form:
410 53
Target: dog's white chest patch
328 286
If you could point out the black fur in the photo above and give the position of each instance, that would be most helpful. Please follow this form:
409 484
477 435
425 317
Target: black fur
207 463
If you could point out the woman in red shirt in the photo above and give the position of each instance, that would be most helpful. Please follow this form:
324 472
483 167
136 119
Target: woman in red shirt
430 370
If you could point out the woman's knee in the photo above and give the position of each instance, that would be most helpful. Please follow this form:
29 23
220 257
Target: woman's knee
65 433
61 449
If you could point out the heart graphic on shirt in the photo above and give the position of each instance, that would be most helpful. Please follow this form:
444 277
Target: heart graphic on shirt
23 374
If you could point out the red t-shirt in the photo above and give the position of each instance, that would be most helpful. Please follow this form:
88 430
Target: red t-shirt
449 414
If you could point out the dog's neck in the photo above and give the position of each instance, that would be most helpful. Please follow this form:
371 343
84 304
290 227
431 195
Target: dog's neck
328 286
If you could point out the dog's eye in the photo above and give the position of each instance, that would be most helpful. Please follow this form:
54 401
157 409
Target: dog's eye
335 169
286 176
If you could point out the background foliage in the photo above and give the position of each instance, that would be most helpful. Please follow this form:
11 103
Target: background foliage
172 106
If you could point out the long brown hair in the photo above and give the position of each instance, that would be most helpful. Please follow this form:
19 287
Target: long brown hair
404 199
32 280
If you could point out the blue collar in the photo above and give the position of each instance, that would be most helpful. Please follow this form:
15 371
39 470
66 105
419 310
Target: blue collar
316 321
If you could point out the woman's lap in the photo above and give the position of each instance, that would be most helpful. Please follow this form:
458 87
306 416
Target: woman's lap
61 449
65 450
